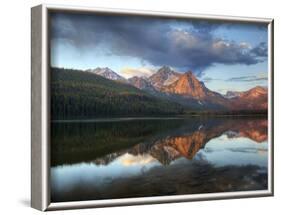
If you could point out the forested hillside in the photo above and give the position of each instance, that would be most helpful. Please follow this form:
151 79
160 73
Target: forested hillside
78 94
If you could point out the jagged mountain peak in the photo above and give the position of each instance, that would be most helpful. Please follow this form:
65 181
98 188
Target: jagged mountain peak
253 92
189 73
259 89
163 77
165 68
188 85
100 70
164 71
107 73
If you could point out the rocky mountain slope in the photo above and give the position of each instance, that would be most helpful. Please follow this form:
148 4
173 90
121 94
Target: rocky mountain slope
163 77
141 83
253 99
187 90
106 73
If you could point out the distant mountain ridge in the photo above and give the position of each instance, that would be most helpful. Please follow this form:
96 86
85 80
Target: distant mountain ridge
253 99
107 73
232 94
187 90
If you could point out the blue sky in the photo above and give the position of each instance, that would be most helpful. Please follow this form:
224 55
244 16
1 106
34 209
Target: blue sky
226 56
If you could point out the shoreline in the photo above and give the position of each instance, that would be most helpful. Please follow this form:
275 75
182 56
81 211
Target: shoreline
181 117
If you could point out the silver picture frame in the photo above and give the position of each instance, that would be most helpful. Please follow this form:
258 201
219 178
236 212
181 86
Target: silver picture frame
40 128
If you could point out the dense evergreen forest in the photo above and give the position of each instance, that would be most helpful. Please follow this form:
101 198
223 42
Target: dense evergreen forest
78 94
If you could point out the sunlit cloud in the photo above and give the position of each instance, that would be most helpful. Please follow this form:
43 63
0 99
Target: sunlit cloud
134 160
245 45
129 72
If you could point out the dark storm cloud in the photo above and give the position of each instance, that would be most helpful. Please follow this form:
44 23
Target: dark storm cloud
156 41
260 50
205 27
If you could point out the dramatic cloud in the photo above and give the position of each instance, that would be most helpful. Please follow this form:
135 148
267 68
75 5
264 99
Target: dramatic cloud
128 72
156 41
260 51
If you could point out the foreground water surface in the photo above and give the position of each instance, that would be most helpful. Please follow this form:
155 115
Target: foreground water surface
121 158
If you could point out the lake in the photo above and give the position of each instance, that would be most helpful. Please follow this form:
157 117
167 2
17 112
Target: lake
142 157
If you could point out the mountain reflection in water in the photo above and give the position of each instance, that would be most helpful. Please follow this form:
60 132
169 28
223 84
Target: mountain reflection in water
137 158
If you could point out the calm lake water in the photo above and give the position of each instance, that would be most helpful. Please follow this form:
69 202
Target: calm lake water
124 158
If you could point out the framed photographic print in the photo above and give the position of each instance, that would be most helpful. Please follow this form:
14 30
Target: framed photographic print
141 107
